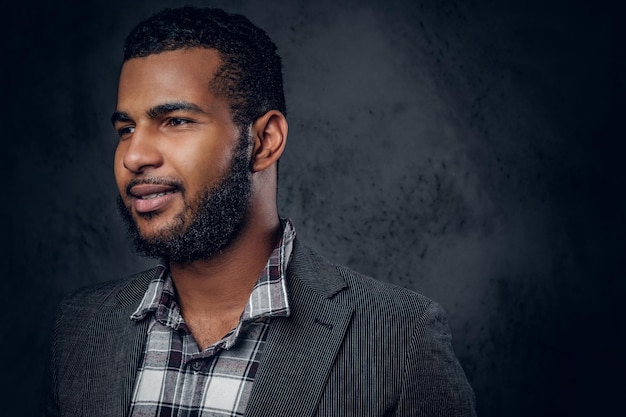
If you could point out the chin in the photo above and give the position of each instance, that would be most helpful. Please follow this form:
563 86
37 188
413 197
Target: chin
158 224
155 229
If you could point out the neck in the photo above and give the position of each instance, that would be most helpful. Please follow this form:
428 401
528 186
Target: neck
223 283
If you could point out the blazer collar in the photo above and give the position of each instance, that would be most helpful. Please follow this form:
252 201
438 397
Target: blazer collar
313 272
118 344
301 349
298 357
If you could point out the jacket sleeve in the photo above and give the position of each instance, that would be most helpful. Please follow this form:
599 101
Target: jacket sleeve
50 394
434 383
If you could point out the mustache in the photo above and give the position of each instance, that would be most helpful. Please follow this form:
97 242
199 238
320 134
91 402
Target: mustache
171 182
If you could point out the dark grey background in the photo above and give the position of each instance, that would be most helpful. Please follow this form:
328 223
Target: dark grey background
469 150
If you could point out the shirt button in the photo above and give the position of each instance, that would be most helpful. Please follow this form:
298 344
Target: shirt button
196 365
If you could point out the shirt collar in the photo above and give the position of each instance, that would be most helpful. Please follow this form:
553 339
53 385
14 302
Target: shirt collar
268 298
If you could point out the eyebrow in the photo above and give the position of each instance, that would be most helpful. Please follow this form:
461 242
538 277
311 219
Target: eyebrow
159 110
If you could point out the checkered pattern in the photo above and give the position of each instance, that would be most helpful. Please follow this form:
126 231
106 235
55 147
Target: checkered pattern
176 378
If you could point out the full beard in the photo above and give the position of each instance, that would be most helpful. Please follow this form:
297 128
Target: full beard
217 216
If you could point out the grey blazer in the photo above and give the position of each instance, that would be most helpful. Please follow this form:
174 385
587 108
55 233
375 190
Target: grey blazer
352 346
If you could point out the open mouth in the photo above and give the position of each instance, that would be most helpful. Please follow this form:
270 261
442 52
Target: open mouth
151 198
155 195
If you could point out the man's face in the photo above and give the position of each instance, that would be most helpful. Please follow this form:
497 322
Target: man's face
181 165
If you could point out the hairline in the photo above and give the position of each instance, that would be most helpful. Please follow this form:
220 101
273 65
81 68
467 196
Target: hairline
222 68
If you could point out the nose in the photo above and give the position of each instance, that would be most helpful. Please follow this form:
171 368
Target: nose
141 151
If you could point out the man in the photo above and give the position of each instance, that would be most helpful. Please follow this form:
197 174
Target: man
239 318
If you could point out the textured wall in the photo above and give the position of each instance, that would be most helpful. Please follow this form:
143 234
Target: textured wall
466 150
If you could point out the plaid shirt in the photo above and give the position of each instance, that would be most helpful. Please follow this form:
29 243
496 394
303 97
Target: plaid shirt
176 378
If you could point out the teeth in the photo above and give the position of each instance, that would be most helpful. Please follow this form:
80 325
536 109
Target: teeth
150 196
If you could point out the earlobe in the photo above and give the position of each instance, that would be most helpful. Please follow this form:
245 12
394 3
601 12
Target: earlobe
270 136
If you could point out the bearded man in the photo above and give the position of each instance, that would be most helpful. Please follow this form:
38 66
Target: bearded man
239 317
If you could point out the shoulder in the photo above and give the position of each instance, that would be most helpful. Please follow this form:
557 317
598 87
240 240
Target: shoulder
403 339
366 288
82 303
344 285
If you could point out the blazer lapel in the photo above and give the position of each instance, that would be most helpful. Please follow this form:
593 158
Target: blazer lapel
118 346
301 349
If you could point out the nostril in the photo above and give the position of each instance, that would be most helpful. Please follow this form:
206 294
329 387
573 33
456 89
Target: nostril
141 154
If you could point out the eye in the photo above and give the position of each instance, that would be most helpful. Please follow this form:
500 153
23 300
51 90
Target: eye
177 121
124 131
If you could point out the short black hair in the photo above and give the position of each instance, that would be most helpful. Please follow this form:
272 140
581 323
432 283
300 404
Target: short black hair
250 76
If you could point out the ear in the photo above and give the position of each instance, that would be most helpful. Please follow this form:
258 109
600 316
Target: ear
269 133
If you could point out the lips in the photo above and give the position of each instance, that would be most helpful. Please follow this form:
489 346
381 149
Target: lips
148 198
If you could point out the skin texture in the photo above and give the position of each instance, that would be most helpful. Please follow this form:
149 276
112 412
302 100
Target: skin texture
178 139
192 148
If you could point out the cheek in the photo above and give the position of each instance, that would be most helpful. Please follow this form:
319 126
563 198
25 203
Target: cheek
204 166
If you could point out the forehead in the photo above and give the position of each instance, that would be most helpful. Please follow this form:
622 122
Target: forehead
183 74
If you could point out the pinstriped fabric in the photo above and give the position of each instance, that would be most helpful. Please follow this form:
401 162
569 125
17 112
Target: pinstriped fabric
299 354
385 352
111 365
365 379
87 379
396 359
107 331
352 347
